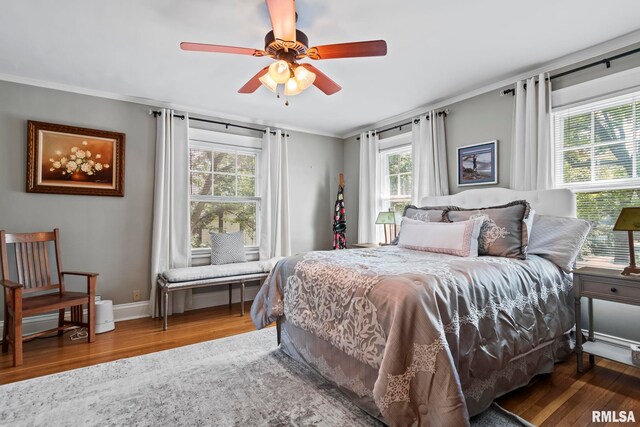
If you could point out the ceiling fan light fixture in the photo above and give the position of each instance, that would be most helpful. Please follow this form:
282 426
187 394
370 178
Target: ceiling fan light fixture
279 71
268 82
292 88
304 77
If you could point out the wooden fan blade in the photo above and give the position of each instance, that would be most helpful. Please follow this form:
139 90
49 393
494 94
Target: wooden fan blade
283 19
202 47
253 84
323 82
348 50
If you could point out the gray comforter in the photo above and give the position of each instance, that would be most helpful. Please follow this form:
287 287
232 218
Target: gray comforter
428 323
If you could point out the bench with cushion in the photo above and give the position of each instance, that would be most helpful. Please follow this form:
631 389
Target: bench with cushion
177 279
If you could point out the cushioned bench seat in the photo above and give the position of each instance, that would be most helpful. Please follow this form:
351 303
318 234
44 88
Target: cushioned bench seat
210 275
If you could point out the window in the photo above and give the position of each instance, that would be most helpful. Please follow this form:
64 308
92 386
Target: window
396 168
223 192
598 155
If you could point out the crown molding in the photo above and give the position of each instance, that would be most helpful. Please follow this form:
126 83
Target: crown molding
153 103
564 61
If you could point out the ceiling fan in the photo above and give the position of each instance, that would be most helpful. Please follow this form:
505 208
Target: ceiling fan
287 45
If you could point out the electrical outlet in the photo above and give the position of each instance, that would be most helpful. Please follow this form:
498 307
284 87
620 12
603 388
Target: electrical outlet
136 295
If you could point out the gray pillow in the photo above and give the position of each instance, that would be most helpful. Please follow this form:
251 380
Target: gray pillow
424 214
227 248
558 239
505 231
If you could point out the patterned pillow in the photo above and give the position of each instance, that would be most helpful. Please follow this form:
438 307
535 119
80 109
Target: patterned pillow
505 231
227 248
424 214
558 239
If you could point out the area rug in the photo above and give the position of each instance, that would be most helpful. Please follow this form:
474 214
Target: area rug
244 380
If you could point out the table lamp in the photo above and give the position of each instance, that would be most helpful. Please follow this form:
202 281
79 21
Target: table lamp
386 218
629 221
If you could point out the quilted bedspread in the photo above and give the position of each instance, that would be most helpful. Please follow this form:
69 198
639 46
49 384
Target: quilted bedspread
428 323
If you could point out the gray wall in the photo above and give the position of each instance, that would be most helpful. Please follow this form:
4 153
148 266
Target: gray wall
112 235
108 235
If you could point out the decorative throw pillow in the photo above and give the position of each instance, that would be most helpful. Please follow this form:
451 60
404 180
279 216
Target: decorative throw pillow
558 239
424 214
505 231
459 238
227 248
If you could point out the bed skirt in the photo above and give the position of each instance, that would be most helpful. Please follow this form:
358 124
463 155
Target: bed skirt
357 379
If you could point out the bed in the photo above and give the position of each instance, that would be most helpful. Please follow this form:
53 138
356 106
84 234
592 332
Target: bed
420 338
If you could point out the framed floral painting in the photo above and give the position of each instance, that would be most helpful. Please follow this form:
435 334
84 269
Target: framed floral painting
72 160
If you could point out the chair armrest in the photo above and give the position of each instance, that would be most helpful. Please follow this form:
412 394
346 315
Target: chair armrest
10 285
79 273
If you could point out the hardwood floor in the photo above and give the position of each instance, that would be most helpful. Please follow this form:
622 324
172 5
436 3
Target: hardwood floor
563 398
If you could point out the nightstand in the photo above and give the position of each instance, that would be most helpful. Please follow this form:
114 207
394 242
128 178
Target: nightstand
603 284
365 245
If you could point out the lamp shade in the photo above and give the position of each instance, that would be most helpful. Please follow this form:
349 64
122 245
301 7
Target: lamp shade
268 82
291 87
304 77
386 217
629 220
279 71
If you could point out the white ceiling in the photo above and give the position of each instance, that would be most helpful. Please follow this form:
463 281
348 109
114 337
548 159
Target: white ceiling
436 49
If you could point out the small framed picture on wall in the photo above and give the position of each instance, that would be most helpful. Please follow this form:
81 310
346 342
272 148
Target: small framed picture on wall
478 164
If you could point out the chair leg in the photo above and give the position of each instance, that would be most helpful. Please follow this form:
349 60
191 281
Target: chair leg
60 321
17 339
242 299
91 314
230 294
5 330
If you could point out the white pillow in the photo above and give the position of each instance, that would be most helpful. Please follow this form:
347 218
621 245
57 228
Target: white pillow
454 238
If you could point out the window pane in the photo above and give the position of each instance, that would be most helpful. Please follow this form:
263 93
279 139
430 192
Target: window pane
224 185
614 124
224 162
577 165
200 184
246 164
604 246
638 120
393 185
200 160
614 161
246 186
405 184
208 217
405 163
577 130
398 206
392 161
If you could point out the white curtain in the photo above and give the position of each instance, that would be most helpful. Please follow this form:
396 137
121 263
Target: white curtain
429 154
369 188
275 235
532 160
170 242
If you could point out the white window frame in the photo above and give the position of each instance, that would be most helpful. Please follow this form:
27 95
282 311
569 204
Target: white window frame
230 143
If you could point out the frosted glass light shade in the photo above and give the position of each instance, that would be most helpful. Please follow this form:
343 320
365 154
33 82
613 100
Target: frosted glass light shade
304 77
268 82
279 71
291 88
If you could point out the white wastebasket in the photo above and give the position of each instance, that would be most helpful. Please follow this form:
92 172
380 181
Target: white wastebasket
104 316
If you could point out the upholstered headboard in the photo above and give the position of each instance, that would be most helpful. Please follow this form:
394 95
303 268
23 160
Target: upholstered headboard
559 202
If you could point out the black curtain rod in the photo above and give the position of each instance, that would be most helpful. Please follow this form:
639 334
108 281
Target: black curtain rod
400 126
604 61
226 125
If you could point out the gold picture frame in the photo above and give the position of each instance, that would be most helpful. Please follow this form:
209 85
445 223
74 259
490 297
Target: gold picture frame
74 160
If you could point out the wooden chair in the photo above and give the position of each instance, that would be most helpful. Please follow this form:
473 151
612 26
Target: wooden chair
33 276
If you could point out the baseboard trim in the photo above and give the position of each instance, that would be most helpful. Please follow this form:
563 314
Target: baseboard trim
140 309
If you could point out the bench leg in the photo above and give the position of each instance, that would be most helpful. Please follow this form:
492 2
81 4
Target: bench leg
230 294
279 328
165 312
242 299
